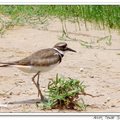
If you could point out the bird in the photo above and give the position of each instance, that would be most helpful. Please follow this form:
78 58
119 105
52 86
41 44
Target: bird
40 61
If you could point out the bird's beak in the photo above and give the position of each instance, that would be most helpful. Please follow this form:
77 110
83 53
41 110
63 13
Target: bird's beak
69 49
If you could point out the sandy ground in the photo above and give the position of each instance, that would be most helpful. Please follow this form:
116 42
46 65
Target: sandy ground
101 67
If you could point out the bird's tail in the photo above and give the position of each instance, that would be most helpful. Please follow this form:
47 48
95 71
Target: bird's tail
2 64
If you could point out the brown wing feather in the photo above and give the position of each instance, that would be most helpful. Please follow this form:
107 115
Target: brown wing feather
43 57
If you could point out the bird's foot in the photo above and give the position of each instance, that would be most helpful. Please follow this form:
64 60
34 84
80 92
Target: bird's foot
44 99
42 103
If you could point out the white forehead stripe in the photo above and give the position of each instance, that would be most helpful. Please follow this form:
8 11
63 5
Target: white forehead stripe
59 51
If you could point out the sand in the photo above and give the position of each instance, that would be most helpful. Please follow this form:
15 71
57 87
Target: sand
98 67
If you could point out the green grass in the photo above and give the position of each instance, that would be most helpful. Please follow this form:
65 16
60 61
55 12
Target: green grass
64 93
102 14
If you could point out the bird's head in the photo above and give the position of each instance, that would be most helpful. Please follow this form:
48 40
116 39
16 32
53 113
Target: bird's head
62 46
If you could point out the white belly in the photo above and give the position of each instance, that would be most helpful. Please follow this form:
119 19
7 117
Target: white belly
34 69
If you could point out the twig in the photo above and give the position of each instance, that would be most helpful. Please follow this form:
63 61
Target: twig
90 95
10 89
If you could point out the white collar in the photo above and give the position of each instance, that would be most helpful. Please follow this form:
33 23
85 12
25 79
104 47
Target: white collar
59 51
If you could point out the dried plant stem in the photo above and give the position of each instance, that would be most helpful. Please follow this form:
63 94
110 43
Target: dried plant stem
90 95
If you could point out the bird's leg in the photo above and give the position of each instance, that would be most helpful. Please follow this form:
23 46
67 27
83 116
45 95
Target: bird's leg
33 79
37 85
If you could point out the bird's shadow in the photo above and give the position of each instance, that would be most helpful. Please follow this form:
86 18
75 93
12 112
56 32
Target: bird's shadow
28 101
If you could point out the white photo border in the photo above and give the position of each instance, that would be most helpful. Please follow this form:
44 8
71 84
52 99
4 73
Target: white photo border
60 2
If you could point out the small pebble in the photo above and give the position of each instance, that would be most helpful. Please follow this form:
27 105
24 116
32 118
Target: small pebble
4 99
8 96
105 102
113 106
11 93
107 86
43 87
16 74
81 69
108 99
21 81
91 76
18 93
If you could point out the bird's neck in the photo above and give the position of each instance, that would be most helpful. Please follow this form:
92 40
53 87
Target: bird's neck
59 51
